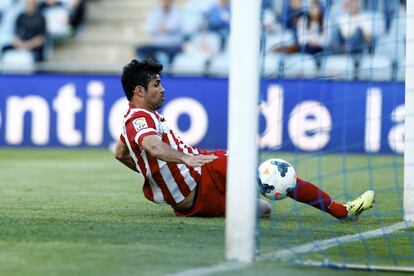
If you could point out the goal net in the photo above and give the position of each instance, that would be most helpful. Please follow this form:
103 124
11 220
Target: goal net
334 101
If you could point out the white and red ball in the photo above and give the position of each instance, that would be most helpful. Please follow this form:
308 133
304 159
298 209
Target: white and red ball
277 178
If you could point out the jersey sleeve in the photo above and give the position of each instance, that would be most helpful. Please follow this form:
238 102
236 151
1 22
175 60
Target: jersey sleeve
139 126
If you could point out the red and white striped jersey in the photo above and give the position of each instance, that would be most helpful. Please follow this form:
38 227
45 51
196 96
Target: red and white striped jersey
164 182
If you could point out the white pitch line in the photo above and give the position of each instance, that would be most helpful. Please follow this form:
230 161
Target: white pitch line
221 267
289 253
325 244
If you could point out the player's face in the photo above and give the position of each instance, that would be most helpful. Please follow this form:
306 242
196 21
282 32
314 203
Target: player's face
154 95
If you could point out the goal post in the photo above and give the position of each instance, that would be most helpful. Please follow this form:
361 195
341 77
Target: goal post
409 117
241 205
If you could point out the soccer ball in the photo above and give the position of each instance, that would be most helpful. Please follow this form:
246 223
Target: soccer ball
276 179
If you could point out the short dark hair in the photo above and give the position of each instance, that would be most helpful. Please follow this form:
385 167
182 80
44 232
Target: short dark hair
138 73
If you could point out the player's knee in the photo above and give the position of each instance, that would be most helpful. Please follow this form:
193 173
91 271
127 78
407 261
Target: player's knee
264 209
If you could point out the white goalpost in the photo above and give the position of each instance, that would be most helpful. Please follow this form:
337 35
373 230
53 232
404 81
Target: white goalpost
241 209
409 117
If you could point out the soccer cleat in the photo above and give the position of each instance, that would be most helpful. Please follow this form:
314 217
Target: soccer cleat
360 204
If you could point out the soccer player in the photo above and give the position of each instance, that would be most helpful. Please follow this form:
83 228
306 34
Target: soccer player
192 181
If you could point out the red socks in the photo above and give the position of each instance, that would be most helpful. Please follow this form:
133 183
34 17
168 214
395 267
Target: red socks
310 194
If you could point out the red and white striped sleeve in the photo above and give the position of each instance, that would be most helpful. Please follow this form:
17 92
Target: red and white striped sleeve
140 125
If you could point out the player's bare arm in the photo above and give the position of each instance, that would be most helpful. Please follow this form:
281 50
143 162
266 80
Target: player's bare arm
123 155
158 149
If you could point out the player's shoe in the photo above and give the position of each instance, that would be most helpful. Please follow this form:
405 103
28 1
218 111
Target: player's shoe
360 204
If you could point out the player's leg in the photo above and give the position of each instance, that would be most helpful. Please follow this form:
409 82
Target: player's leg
312 195
264 209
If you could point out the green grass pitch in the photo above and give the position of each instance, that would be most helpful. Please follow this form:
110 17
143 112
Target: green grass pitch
80 212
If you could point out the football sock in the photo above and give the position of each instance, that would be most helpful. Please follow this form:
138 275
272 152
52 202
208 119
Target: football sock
310 194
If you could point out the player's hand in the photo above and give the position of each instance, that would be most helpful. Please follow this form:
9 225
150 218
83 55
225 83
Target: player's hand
199 160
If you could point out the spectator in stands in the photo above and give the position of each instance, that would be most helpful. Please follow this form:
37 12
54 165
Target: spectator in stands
57 18
387 7
270 23
218 19
30 31
310 29
291 12
353 32
77 12
49 4
163 27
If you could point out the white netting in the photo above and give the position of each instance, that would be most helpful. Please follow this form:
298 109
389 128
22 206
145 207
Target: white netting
332 104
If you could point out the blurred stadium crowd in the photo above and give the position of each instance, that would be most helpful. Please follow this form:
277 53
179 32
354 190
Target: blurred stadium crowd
346 39
343 39
30 28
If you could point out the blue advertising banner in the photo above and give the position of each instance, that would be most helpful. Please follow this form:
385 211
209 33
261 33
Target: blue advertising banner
306 115
332 116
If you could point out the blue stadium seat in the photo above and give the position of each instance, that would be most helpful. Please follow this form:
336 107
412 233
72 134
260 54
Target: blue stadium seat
378 23
219 65
164 59
338 67
189 63
398 24
207 42
401 71
272 63
18 61
190 22
375 68
393 44
57 22
300 65
390 47
387 46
